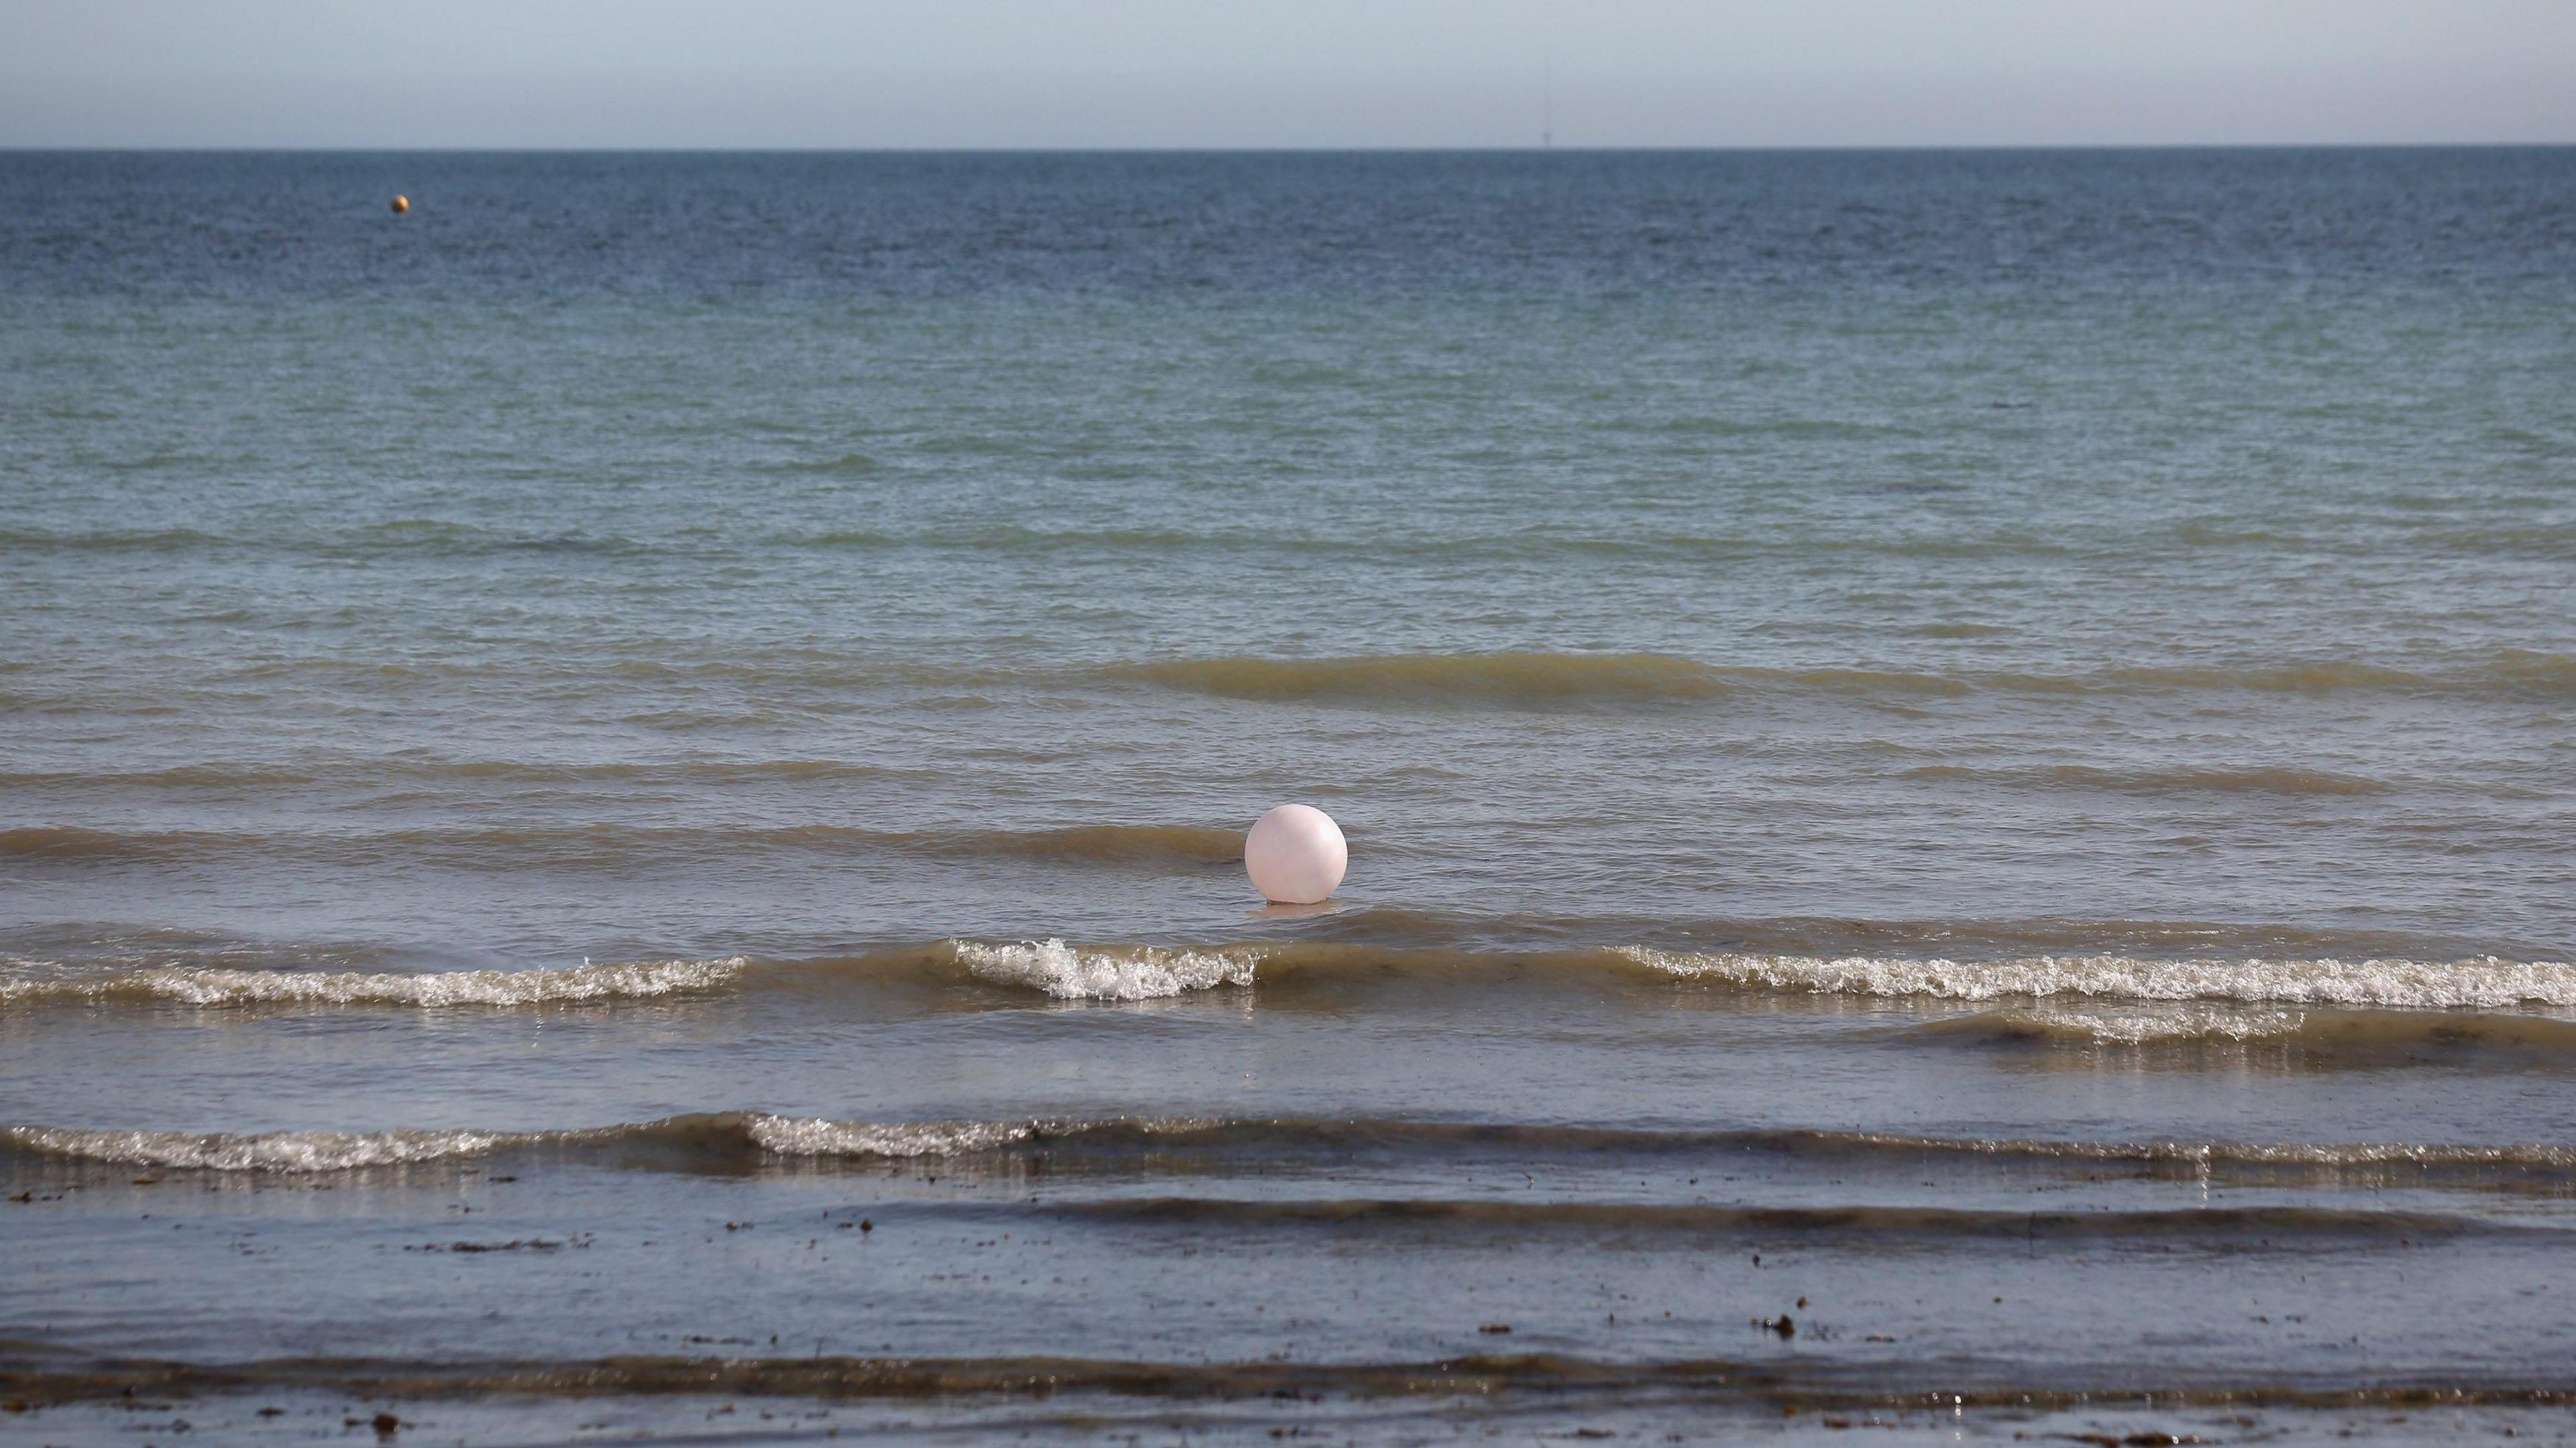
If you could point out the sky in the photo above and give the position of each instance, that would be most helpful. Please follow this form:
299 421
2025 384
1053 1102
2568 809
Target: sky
1282 73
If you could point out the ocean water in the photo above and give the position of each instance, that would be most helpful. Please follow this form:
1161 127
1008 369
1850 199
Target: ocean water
621 797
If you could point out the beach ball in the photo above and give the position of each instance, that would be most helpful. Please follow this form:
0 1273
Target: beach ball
1295 855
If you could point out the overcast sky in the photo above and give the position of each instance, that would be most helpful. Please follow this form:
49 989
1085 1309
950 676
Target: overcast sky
1152 73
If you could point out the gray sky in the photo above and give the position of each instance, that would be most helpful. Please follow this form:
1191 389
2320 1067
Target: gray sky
647 73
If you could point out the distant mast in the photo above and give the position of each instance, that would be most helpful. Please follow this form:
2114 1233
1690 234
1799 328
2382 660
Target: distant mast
1547 99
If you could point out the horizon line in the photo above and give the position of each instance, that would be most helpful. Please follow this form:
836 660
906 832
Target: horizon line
1518 148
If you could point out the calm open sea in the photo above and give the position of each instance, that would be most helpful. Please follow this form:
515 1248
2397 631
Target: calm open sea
621 797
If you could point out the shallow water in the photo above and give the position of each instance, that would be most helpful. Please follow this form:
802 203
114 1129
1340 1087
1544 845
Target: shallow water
1970 750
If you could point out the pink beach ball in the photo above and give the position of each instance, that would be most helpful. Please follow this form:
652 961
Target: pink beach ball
1296 855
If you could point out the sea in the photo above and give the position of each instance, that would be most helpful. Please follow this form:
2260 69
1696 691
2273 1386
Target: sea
622 795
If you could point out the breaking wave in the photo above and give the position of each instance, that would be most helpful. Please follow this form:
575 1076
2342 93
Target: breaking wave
742 1141
2355 1035
713 1141
1133 974
1288 973
2422 985
280 1151
210 986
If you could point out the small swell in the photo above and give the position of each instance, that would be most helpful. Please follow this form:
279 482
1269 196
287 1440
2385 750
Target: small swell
1094 844
2551 676
439 537
603 847
711 771
1555 680
2204 1156
1529 679
107 540
2508 674
845 465
2422 985
42 843
206 986
185 776
1849 1223
2276 779
1864 683
1774 1383
2356 1037
2333 676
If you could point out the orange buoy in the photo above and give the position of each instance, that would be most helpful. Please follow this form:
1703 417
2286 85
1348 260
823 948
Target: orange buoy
401 205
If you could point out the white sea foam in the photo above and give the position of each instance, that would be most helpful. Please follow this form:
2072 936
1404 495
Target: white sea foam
224 987
2353 1154
1127 974
329 1151
320 1152
2423 985
276 1151
2378 1154
2151 1026
823 1137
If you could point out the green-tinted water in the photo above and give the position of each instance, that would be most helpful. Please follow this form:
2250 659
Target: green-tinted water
1828 663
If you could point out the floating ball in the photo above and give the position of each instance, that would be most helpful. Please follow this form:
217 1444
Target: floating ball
1296 855
401 205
